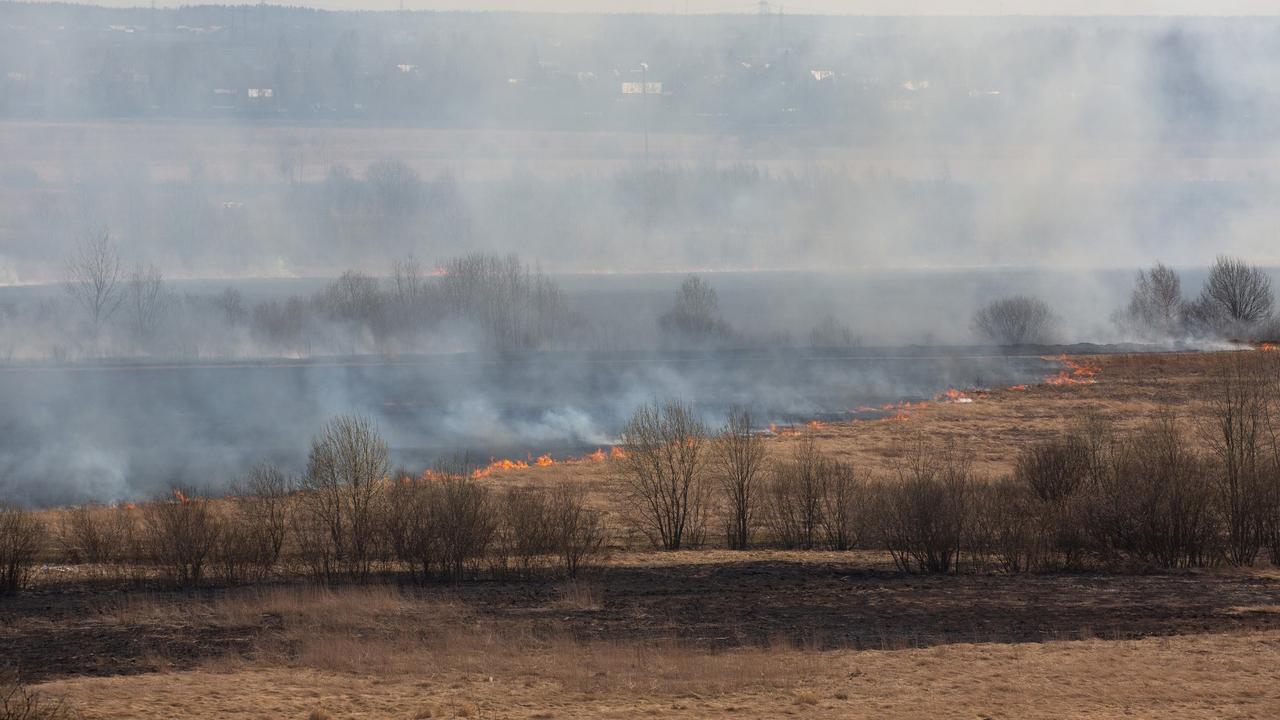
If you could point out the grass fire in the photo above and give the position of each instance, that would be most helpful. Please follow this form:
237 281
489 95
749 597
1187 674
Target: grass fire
514 359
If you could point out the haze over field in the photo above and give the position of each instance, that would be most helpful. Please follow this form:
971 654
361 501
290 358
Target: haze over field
246 204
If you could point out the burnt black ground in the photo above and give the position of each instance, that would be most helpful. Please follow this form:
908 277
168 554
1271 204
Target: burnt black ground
72 631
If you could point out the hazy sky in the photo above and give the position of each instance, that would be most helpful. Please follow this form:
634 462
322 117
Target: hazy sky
849 7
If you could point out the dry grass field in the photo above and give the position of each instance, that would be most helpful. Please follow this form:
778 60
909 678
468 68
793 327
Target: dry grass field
1126 390
704 633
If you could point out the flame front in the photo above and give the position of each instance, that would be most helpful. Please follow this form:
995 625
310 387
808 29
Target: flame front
1073 372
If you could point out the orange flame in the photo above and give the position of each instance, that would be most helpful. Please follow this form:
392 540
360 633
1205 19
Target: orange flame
1269 347
1074 373
1017 387
180 497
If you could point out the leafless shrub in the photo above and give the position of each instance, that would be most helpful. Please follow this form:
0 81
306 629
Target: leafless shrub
1240 393
410 525
525 532
925 514
464 524
1155 306
18 702
662 467
341 495
1177 523
578 531
1005 524
22 538
1054 469
255 523
96 535
1015 320
738 460
843 505
1060 477
795 496
264 498
239 555
181 535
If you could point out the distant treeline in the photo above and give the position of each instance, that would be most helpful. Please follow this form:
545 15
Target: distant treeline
854 76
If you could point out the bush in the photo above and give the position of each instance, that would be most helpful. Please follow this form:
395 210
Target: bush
579 531
464 524
1005 524
925 515
1016 320
96 535
844 493
264 502
22 538
410 524
795 495
737 458
182 534
526 533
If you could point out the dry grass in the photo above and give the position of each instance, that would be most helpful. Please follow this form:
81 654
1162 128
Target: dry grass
1188 677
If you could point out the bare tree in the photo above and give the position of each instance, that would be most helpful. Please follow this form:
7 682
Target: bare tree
1015 320
464 523
831 333
1155 304
1241 396
662 466
145 301
844 491
231 302
93 277
579 530
22 537
1241 292
406 276
738 456
264 498
396 187
795 494
341 492
695 316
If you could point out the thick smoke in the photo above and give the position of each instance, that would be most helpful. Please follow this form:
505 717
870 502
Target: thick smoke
893 175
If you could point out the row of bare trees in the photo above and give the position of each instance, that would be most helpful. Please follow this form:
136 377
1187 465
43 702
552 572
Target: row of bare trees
1174 492
1236 302
347 519
498 303
101 287
679 480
